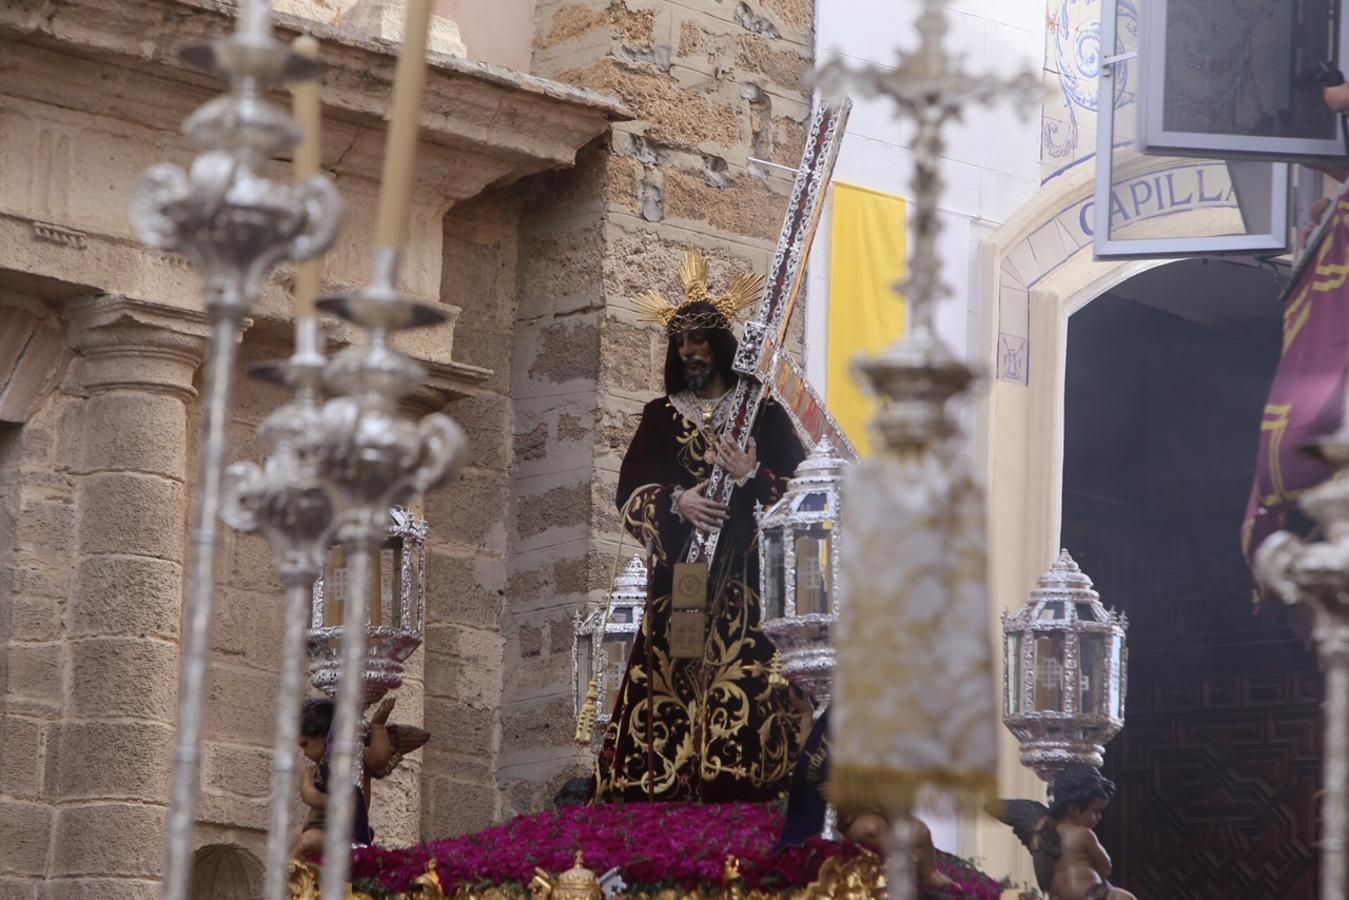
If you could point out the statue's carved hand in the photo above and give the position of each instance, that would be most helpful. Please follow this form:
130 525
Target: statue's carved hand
705 514
737 463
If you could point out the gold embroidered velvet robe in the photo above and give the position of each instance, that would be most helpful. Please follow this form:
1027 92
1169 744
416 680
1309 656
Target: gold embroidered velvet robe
709 729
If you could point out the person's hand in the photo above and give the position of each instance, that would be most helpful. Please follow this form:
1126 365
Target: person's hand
736 463
382 711
1317 212
1337 97
705 514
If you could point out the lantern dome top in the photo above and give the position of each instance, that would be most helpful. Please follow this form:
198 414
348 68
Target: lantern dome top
812 491
822 463
1064 597
1064 579
632 579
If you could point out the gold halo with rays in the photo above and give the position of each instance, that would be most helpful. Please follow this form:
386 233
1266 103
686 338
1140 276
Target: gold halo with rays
744 289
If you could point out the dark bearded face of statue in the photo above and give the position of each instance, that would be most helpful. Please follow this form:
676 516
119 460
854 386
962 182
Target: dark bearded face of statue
695 352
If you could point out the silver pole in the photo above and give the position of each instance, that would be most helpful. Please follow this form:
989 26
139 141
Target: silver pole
1335 774
344 758
218 387
901 879
284 768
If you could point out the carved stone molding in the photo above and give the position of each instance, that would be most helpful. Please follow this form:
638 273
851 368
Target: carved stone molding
128 344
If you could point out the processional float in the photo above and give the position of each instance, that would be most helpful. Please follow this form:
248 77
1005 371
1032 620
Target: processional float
340 454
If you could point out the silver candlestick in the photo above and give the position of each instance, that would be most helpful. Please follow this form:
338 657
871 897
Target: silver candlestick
894 566
290 505
1314 575
234 224
372 458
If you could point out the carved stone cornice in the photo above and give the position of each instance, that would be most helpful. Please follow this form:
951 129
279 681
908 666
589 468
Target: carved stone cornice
445 383
128 344
482 125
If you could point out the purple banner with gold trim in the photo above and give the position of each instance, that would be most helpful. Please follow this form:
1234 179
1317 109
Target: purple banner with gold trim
1306 399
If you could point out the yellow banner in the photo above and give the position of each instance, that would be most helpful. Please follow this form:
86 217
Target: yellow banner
868 247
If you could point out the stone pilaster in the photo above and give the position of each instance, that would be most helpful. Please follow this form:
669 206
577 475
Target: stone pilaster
128 447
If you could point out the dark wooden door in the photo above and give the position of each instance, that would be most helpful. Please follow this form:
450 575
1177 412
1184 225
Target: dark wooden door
1219 761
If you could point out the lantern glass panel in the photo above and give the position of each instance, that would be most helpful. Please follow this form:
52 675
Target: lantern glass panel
816 502
1116 687
1091 677
813 571
617 649
773 575
1049 673
585 662
621 615
335 588
383 597
1052 611
1012 678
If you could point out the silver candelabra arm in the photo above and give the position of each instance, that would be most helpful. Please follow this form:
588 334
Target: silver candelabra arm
1314 577
287 502
372 458
234 224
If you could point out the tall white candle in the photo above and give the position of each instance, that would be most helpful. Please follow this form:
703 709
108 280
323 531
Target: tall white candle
306 107
400 147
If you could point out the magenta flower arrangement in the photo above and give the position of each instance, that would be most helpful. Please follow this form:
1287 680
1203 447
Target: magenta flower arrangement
654 845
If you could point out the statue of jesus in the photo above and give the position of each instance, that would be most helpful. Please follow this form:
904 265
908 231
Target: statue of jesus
697 716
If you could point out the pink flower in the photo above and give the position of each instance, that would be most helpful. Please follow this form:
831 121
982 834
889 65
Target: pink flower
653 845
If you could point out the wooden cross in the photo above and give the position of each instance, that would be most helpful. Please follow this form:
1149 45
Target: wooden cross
757 361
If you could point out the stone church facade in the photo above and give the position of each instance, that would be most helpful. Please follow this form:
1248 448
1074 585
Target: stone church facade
545 201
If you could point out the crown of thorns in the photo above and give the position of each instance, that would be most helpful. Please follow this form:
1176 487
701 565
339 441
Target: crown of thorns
719 312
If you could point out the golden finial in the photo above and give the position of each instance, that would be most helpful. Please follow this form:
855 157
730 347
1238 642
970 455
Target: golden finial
732 886
585 720
428 883
775 678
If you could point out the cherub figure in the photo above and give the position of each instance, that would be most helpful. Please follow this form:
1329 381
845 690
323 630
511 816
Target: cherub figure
872 829
385 746
1070 863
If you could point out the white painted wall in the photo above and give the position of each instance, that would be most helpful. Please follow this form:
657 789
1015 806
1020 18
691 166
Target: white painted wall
991 166
992 160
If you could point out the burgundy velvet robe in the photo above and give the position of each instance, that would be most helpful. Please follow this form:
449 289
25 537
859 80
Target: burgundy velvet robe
718 732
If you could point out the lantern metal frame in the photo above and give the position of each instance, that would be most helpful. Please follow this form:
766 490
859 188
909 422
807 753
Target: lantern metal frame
597 626
389 646
804 640
1053 739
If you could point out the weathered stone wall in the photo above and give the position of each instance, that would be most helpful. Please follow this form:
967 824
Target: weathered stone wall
467 543
712 83
98 417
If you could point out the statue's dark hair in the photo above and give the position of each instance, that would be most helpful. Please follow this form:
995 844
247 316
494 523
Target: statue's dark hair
1076 787
316 717
722 341
575 792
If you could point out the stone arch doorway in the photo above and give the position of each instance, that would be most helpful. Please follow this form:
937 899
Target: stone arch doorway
225 872
1219 762
1035 272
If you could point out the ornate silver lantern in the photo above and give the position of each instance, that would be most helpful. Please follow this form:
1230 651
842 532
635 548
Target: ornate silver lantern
397 611
799 544
1065 672
602 643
